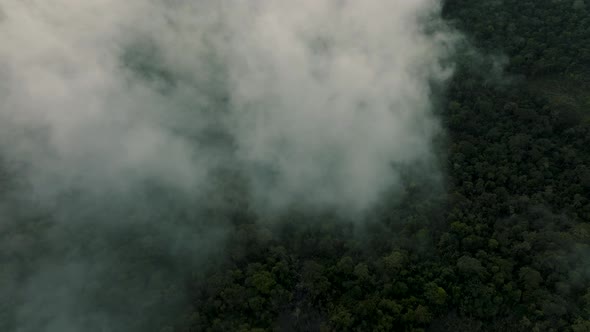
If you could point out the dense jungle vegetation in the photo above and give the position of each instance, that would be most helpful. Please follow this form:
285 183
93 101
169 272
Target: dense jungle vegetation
499 240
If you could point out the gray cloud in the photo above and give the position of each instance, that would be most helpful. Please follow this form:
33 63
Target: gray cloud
327 95
323 96
125 117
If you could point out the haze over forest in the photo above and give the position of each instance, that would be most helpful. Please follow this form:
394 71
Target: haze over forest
313 165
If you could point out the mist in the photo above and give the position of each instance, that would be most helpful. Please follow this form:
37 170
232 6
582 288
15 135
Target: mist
130 120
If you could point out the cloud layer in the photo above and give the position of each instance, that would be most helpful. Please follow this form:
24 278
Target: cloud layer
319 98
124 118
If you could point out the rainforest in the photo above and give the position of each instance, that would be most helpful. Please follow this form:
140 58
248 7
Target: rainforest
313 165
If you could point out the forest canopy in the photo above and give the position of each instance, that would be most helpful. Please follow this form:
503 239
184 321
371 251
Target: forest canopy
479 220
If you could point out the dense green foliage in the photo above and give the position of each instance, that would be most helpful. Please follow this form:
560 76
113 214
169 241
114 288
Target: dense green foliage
541 37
